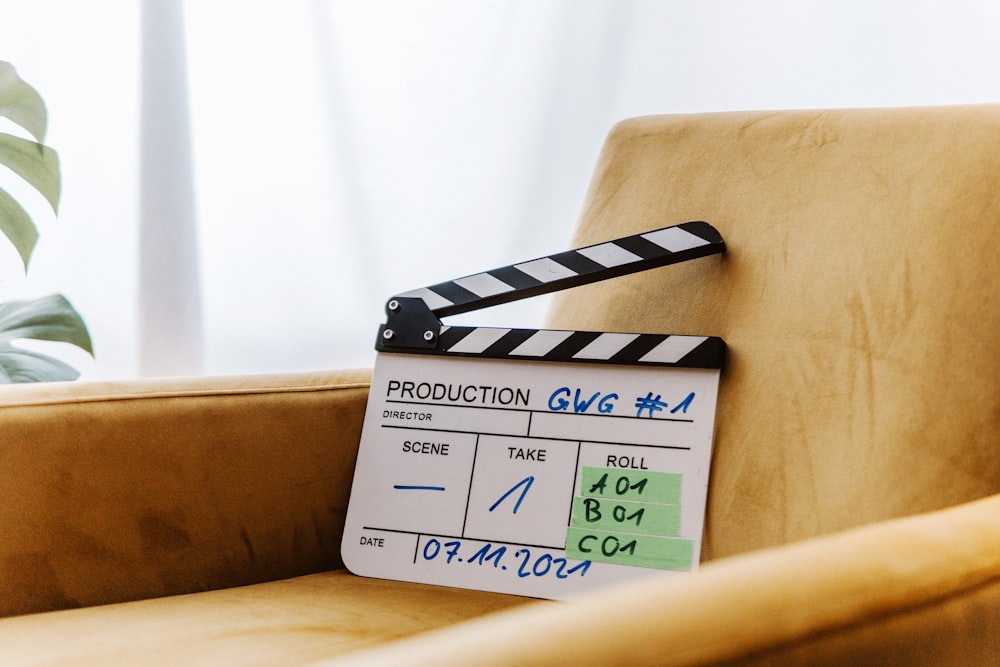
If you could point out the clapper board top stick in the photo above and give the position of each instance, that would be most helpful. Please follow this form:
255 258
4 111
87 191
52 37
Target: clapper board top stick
413 326
532 461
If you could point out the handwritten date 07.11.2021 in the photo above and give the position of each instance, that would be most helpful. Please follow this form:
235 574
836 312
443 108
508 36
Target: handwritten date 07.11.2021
524 564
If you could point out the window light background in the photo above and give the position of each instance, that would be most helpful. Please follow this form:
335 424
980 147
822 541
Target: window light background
337 152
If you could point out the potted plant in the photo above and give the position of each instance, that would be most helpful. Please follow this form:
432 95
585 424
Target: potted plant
52 317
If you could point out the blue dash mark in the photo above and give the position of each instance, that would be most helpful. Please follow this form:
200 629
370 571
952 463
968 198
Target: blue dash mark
417 487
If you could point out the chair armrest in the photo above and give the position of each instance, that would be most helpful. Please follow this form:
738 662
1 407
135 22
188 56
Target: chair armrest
138 489
913 591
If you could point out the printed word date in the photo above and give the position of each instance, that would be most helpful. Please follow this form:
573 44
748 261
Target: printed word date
520 561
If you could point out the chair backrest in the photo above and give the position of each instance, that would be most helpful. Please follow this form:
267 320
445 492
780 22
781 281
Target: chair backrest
859 297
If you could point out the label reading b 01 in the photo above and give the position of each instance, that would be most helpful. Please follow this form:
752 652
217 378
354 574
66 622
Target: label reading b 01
534 478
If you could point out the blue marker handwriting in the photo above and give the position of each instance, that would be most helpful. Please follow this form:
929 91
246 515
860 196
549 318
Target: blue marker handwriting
523 562
579 401
560 401
649 404
524 485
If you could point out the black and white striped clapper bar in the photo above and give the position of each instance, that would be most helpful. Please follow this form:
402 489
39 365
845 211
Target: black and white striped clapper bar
413 326
488 462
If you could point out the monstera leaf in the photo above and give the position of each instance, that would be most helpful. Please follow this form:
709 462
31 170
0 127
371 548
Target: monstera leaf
31 160
50 318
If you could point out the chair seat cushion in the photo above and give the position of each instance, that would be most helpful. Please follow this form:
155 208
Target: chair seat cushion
287 622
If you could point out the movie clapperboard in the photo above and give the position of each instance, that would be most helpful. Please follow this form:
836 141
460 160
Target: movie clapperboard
535 462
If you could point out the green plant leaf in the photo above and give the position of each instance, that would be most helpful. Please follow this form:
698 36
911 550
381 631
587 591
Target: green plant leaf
21 103
19 365
48 318
35 163
17 226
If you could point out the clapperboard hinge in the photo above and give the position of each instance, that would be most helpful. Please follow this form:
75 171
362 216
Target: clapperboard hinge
413 322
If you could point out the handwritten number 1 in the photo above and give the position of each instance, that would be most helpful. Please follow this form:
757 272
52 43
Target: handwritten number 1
525 483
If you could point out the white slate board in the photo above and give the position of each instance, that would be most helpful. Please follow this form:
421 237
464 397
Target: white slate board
535 478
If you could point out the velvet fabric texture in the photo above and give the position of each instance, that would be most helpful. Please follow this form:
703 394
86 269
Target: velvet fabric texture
858 296
125 491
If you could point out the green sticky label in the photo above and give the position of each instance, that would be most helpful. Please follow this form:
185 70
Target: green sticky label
664 553
626 515
626 484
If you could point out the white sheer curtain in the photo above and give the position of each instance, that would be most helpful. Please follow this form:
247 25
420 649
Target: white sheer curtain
331 153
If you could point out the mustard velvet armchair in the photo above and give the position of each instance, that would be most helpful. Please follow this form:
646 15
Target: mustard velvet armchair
852 511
